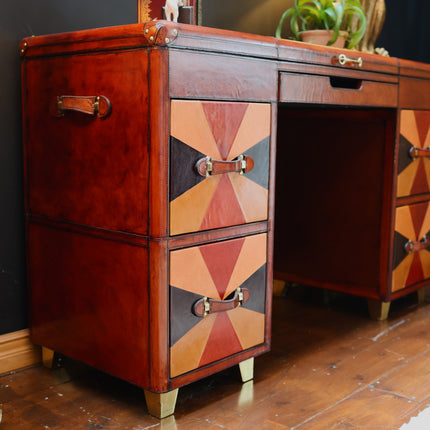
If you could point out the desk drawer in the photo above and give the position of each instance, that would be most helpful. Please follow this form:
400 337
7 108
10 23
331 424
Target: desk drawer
226 195
411 256
414 155
215 272
335 90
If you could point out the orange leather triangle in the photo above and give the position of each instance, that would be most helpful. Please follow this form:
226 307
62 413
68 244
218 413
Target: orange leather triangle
416 273
222 341
418 213
224 120
420 184
422 119
220 259
224 209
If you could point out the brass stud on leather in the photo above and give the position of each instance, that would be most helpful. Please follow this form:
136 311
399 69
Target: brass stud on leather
167 40
24 46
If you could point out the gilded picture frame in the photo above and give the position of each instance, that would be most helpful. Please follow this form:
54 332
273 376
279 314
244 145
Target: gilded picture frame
148 10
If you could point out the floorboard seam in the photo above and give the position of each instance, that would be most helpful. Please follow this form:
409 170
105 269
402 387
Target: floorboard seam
371 385
394 394
409 361
330 407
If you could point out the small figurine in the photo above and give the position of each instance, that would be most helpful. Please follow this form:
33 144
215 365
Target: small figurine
375 14
171 9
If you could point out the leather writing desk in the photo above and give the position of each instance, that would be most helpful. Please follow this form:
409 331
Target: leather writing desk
150 155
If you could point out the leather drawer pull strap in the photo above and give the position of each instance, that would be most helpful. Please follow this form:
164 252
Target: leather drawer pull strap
411 246
415 152
206 306
208 167
99 106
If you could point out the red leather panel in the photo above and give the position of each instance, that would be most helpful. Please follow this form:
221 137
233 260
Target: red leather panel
89 300
82 168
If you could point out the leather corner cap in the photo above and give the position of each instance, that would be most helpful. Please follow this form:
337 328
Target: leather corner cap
160 32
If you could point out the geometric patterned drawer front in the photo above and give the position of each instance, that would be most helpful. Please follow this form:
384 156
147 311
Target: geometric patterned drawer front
215 271
222 131
412 223
413 175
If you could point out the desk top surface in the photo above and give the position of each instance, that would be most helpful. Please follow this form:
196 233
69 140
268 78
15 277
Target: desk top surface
165 34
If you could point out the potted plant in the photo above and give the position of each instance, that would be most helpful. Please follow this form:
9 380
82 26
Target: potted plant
334 18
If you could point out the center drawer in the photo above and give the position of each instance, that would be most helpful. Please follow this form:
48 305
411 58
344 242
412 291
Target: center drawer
219 164
336 90
217 301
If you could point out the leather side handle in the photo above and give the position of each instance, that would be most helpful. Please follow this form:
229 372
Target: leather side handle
206 306
208 167
415 152
99 106
411 246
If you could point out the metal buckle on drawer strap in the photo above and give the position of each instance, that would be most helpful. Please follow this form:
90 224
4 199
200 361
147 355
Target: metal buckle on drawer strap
209 166
207 306
242 162
240 296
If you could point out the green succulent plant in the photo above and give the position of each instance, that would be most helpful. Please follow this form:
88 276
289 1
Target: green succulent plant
336 15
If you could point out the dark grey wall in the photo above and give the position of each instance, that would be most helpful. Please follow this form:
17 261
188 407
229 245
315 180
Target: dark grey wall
250 16
406 32
20 18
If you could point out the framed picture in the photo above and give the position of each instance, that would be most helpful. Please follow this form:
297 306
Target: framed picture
148 10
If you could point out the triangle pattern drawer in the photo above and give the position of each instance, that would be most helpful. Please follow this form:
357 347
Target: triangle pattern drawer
411 257
221 133
216 273
414 155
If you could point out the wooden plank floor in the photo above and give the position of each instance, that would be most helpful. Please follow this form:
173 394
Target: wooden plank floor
331 367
